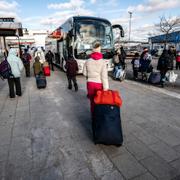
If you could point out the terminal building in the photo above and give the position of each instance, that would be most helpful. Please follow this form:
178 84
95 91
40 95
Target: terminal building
9 27
13 35
171 39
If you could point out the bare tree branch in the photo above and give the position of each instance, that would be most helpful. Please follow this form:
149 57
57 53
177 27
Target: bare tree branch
166 26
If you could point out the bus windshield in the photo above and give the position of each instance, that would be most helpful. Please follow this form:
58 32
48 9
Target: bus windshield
88 31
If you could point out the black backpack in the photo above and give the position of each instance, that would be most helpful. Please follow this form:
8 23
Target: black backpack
5 70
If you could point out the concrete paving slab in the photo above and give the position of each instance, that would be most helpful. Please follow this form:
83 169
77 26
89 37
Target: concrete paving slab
146 176
159 168
128 165
164 151
47 134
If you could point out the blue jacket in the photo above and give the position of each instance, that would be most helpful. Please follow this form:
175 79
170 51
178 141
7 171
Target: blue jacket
15 63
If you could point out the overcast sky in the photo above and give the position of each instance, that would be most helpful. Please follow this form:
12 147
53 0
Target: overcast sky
49 14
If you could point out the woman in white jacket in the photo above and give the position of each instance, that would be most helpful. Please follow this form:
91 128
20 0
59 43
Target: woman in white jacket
96 73
16 68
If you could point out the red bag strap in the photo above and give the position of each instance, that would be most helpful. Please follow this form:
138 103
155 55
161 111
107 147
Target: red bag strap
102 93
113 96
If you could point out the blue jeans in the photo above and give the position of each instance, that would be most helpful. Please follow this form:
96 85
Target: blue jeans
117 71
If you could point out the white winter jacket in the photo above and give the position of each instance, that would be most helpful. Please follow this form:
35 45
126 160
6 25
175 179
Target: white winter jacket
15 63
96 71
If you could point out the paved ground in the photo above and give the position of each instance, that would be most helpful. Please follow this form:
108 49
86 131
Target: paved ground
46 134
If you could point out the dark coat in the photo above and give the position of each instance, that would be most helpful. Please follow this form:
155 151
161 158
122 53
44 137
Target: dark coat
165 61
171 60
145 61
49 57
71 67
123 54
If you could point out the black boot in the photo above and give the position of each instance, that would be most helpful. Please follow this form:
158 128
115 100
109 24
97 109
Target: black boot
76 87
69 86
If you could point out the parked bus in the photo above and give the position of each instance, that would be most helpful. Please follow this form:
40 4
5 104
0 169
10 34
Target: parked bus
76 37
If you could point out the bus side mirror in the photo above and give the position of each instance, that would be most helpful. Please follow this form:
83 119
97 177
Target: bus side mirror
117 26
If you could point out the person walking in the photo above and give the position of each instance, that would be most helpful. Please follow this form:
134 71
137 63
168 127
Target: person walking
117 64
37 66
164 64
26 57
178 61
16 68
71 71
172 57
122 56
145 63
95 71
49 57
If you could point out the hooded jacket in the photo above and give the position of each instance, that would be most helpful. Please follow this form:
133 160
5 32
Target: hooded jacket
95 70
71 67
165 62
15 63
37 67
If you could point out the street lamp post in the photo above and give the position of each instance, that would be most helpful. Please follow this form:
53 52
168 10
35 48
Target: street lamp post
130 16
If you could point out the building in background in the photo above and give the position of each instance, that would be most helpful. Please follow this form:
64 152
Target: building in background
9 28
159 41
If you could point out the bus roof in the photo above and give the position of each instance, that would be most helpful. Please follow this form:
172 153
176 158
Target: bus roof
74 18
90 18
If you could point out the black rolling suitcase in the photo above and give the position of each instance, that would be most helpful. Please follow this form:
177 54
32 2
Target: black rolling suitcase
106 125
41 81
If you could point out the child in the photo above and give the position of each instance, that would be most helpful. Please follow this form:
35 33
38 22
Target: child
135 65
71 71
37 66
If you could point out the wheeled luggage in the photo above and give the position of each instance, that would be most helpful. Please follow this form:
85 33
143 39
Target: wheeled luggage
107 125
46 70
41 81
106 118
154 78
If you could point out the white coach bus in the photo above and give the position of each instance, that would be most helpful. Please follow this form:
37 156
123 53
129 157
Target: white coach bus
76 37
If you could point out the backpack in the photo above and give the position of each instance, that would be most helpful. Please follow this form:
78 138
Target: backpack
5 70
26 58
116 59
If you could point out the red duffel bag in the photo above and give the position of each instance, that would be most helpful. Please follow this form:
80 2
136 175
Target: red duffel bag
110 97
46 70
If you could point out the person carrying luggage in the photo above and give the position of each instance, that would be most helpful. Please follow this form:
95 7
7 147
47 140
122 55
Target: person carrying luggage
16 68
164 64
49 57
37 66
26 57
135 65
145 63
71 71
123 56
96 73
119 64
172 57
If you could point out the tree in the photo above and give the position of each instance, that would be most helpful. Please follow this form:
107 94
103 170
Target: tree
167 26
